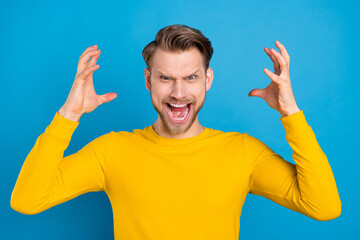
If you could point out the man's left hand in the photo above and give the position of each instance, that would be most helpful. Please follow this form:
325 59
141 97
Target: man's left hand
278 94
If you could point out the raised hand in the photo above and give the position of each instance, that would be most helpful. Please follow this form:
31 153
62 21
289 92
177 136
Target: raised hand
82 97
278 94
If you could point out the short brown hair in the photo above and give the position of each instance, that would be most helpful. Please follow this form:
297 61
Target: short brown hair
176 38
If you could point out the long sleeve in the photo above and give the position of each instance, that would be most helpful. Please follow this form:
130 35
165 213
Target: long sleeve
47 178
307 187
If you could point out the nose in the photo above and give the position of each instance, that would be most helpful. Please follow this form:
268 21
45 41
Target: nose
178 90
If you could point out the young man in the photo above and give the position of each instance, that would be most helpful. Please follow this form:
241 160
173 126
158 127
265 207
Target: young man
177 179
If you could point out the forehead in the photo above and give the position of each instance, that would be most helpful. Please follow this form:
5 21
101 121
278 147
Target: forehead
174 63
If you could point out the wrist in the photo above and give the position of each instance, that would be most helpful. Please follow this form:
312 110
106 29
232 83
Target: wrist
69 115
289 112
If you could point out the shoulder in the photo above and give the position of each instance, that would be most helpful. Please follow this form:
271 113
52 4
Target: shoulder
126 136
244 139
250 140
231 137
103 139
119 135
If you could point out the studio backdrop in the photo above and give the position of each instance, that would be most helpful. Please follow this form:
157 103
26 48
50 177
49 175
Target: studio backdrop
41 42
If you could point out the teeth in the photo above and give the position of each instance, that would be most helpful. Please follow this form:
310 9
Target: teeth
186 112
179 119
177 105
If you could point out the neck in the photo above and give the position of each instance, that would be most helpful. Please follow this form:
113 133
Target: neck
195 129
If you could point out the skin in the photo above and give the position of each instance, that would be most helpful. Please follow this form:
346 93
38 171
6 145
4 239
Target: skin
82 97
172 79
175 85
278 94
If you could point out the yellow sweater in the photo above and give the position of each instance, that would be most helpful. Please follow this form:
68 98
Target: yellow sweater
169 189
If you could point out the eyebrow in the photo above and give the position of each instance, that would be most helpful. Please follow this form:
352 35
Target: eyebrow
159 72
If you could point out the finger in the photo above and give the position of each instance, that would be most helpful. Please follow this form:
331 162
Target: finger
273 59
87 72
92 48
107 97
94 59
281 60
256 92
272 76
283 50
83 61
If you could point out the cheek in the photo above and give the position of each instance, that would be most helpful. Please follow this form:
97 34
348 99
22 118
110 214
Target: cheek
158 93
198 92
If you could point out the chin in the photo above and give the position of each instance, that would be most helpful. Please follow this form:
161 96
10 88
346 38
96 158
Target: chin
177 128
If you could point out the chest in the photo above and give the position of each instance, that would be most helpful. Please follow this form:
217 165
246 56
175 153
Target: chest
210 179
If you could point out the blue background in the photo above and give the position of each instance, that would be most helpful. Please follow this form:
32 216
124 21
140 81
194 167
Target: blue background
41 42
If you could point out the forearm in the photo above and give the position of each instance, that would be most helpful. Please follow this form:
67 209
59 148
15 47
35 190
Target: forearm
316 184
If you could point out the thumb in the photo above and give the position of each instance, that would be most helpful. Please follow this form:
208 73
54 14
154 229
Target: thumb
256 93
107 97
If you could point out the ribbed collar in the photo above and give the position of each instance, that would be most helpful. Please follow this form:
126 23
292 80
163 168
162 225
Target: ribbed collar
160 140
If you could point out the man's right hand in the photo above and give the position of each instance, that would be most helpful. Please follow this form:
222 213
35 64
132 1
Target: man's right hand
82 97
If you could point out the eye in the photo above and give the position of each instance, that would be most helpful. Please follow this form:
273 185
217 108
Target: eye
192 77
165 78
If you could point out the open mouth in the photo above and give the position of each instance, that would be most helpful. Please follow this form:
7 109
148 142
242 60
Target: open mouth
178 113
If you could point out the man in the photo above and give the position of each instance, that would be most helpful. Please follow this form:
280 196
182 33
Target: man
177 179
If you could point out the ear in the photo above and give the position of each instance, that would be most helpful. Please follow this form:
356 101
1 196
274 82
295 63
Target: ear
209 78
147 78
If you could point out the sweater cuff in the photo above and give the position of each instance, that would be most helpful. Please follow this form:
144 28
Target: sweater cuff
295 124
62 127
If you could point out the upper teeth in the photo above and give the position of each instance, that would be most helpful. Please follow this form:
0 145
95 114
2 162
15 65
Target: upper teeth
177 105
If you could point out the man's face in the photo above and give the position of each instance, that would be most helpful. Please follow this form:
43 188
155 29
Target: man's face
178 78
